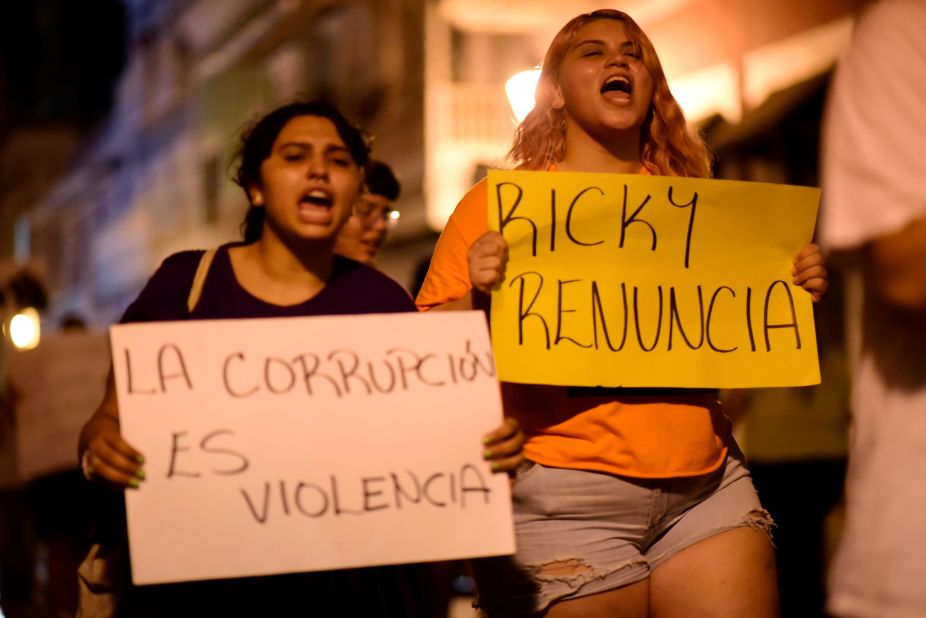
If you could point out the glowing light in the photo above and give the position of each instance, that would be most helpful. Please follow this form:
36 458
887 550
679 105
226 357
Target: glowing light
25 329
520 89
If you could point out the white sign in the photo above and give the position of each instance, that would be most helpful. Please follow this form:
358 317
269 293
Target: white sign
302 444
56 387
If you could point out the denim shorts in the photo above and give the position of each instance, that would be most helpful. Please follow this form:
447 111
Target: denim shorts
580 533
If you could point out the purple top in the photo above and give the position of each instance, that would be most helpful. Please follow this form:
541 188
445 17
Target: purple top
389 591
353 288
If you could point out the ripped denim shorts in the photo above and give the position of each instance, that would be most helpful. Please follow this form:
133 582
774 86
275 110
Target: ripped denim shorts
580 533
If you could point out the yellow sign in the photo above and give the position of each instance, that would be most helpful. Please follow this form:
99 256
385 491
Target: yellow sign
630 280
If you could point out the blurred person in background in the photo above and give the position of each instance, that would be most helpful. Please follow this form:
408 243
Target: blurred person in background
363 235
874 223
795 441
59 509
19 594
18 543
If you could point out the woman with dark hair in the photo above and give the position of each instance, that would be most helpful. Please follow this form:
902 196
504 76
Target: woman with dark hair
300 167
632 502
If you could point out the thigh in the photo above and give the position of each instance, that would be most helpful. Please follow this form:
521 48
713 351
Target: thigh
728 575
630 601
578 534
715 557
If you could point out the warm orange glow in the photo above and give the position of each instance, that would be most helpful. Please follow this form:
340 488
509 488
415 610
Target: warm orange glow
25 329
520 89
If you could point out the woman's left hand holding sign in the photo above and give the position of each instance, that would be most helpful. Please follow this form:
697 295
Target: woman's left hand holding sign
104 455
504 446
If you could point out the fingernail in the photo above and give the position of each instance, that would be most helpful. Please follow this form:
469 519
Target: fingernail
486 440
140 459
496 466
140 474
133 483
486 454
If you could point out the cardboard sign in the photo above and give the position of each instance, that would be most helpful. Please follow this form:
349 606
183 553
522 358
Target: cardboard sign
631 280
301 444
56 387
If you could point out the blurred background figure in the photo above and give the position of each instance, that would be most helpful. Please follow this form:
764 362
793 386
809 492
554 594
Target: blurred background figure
795 440
22 293
17 529
874 221
363 235
59 510
51 385
72 323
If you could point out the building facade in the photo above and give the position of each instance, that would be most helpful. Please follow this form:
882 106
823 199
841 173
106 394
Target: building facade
155 177
426 77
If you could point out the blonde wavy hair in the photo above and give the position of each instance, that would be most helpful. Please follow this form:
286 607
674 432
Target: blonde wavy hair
667 146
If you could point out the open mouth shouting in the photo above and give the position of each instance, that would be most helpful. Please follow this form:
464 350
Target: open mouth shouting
315 206
617 89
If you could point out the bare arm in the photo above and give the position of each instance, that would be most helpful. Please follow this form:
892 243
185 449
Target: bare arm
104 455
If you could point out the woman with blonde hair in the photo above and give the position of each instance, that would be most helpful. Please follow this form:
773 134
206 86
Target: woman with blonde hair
667 146
634 502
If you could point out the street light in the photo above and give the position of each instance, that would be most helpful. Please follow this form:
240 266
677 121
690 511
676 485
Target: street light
23 295
25 329
520 89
